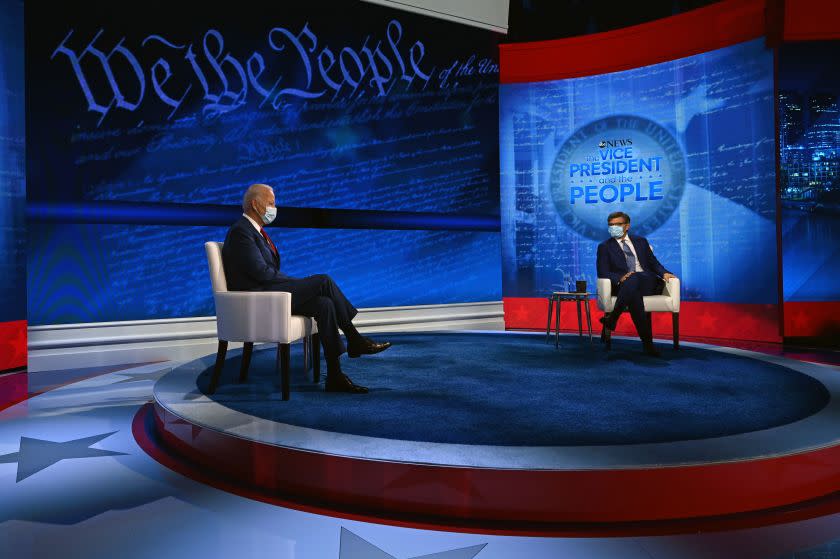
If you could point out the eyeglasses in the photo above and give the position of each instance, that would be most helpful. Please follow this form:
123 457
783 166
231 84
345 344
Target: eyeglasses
611 223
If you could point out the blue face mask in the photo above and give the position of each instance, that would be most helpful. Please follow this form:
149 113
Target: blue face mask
616 231
269 215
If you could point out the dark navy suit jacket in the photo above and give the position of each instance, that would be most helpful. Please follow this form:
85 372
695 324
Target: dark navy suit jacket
250 264
613 265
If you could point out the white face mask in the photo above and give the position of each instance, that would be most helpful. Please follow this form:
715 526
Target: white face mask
269 215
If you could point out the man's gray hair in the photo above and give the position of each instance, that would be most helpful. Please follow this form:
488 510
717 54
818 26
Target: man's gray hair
252 194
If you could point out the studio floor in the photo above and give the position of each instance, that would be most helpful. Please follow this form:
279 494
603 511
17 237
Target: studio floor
76 482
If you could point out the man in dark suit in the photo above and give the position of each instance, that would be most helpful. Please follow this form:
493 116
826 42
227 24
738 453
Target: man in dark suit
252 263
630 265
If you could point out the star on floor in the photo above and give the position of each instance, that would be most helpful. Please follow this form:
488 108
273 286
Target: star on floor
35 455
354 547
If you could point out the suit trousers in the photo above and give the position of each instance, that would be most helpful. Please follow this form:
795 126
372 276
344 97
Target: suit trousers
630 297
319 296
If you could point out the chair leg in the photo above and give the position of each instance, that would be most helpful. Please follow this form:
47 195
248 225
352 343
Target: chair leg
316 358
675 319
306 361
247 349
283 365
548 324
217 368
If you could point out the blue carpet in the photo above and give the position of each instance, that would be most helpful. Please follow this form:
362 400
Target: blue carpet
515 389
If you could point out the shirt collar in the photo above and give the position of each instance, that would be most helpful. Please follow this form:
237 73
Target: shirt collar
256 225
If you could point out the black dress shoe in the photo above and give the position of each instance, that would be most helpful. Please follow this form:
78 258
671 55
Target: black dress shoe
366 347
650 349
341 383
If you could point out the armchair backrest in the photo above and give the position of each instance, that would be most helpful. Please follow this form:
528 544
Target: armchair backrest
217 269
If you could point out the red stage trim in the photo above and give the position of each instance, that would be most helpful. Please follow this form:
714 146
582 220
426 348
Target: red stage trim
812 20
144 435
701 30
14 388
812 319
732 321
12 345
486 495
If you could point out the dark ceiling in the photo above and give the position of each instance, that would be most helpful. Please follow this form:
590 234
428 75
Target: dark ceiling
538 20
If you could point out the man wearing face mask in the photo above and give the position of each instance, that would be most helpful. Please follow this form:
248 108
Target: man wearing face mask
252 263
629 263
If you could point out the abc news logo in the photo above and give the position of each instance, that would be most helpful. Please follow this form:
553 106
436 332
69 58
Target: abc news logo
615 143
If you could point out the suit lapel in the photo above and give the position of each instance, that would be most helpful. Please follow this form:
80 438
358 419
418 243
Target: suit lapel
274 255
618 254
267 249
639 252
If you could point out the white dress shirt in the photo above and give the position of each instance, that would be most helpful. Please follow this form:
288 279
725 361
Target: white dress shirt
629 243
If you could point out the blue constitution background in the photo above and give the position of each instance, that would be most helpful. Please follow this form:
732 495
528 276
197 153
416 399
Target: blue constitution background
339 106
12 167
703 125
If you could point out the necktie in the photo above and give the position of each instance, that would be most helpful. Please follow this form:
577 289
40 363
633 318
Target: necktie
628 256
268 240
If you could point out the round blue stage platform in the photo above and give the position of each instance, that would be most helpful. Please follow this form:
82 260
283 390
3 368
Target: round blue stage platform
516 390
502 427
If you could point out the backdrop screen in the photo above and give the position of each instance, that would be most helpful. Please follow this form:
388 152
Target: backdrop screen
93 272
12 178
341 105
809 147
685 147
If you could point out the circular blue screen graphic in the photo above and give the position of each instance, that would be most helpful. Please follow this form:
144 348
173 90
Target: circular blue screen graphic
618 163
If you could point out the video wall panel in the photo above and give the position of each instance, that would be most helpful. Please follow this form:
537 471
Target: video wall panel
686 148
12 189
96 272
809 153
342 105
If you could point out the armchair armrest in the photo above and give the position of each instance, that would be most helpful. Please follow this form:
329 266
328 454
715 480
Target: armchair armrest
672 290
253 316
604 286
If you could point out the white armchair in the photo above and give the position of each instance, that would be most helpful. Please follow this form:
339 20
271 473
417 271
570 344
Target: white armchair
256 316
669 301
